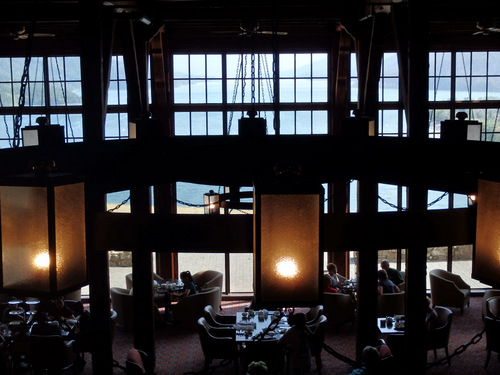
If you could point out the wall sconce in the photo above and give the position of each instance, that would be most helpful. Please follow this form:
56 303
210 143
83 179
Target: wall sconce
288 259
471 200
211 203
460 130
486 256
42 234
43 134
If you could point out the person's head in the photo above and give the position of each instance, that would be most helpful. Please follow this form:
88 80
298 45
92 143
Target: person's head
59 303
186 276
332 268
257 368
384 264
382 275
370 357
299 319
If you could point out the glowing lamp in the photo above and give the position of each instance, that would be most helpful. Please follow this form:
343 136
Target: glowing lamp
288 260
211 203
42 234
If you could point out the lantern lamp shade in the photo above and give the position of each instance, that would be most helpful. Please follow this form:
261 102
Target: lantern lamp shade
211 203
42 235
288 261
486 259
460 130
43 135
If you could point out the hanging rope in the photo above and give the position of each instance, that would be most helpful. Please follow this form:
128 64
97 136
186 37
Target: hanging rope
24 82
65 97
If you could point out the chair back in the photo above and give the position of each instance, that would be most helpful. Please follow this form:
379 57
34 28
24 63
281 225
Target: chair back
313 314
190 308
215 319
391 304
492 327
50 352
438 337
122 302
318 330
493 307
216 343
208 279
338 308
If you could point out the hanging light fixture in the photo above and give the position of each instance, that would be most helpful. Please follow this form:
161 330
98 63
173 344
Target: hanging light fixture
460 130
288 261
42 218
211 203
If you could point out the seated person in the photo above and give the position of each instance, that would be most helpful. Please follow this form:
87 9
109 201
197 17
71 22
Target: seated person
392 274
385 285
369 361
42 325
189 288
332 281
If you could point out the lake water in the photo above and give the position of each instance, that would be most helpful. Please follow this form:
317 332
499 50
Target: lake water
189 194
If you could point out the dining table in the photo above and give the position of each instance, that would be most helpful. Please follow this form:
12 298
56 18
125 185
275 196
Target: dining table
391 325
260 325
257 334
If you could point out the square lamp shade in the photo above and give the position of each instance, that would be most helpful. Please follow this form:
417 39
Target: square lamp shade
43 135
460 130
288 261
42 234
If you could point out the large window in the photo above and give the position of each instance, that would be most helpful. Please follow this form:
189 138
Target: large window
211 92
46 86
458 81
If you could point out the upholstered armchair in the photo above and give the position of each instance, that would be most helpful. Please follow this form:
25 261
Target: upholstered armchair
488 294
208 279
438 338
123 303
391 304
218 320
449 289
217 343
189 309
129 279
159 298
338 308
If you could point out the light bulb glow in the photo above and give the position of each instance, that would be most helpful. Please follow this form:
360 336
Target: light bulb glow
42 260
287 268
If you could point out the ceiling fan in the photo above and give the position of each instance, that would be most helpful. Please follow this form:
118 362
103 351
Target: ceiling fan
250 29
22 33
486 30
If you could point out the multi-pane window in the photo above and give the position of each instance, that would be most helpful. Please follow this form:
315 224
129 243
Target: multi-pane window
465 82
41 86
211 92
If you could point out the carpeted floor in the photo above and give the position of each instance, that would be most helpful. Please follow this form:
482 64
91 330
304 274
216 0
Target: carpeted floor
179 351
